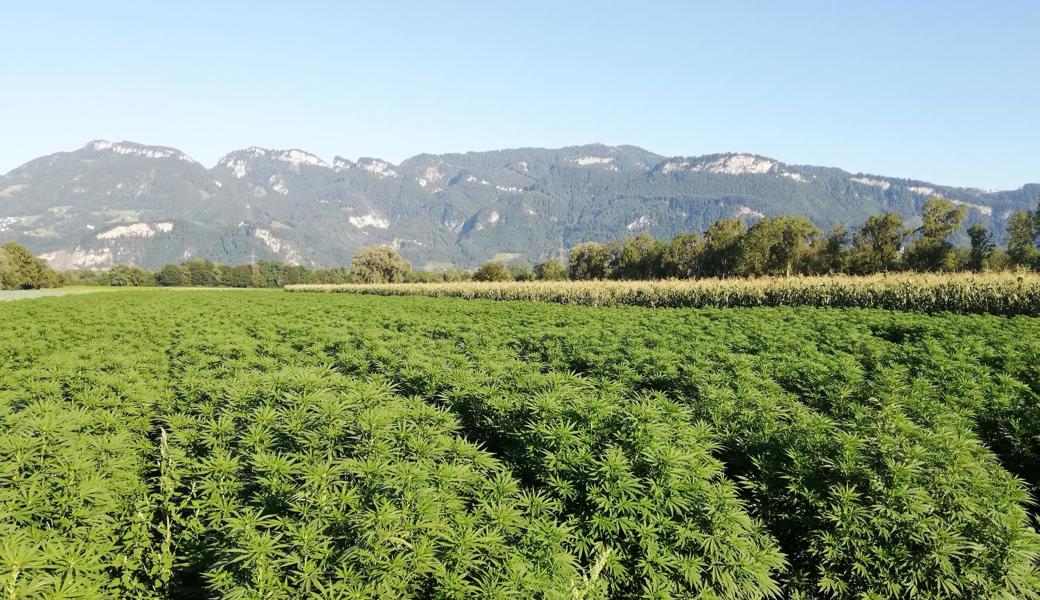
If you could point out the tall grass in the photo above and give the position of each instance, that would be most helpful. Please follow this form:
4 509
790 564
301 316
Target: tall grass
998 293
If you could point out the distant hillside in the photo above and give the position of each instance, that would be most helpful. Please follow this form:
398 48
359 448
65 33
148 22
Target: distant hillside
121 202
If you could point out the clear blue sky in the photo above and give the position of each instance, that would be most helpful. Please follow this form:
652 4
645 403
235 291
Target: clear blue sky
947 91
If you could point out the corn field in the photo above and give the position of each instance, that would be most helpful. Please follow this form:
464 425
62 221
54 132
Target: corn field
280 446
998 293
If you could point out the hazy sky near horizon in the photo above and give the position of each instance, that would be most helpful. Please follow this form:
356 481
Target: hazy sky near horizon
945 91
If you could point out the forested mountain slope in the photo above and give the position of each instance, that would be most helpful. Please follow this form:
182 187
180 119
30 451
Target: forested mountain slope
121 202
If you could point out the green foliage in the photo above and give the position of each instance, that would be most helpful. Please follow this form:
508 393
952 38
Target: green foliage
876 246
773 245
76 519
238 276
277 446
932 251
590 261
638 257
1023 236
378 264
308 482
521 272
682 258
492 271
171 276
722 247
333 275
982 247
830 255
201 273
550 270
129 276
20 270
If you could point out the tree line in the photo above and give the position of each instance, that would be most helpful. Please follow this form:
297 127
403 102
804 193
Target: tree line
204 273
369 264
788 245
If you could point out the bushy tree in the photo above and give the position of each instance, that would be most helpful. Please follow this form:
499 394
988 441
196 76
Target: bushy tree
522 272
982 247
829 255
722 247
7 278
201 273
269 274
171 276
682 257
297 274
492 271
1023 229
774 244
638 257
378 264
20 270
425 277
932 251
550 270
590 260
877 244
236 276
80 277
453 274
129 276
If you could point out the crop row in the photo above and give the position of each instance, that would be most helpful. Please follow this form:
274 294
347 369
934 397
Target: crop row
999 293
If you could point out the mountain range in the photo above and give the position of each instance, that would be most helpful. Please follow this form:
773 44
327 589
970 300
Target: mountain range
113 203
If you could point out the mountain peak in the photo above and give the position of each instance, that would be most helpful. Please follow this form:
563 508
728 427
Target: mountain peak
377 166
135 149
239 161
297 158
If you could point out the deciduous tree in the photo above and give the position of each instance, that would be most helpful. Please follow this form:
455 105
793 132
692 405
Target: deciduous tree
876 246
682 257
638 257
722 247
19 269
1023 229
492 271
590 260
550 270
982 247
773 244
932 251
378 264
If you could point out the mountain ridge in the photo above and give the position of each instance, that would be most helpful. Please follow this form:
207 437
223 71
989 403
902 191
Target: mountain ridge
124 202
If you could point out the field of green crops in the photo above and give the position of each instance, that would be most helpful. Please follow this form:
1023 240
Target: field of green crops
269 445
